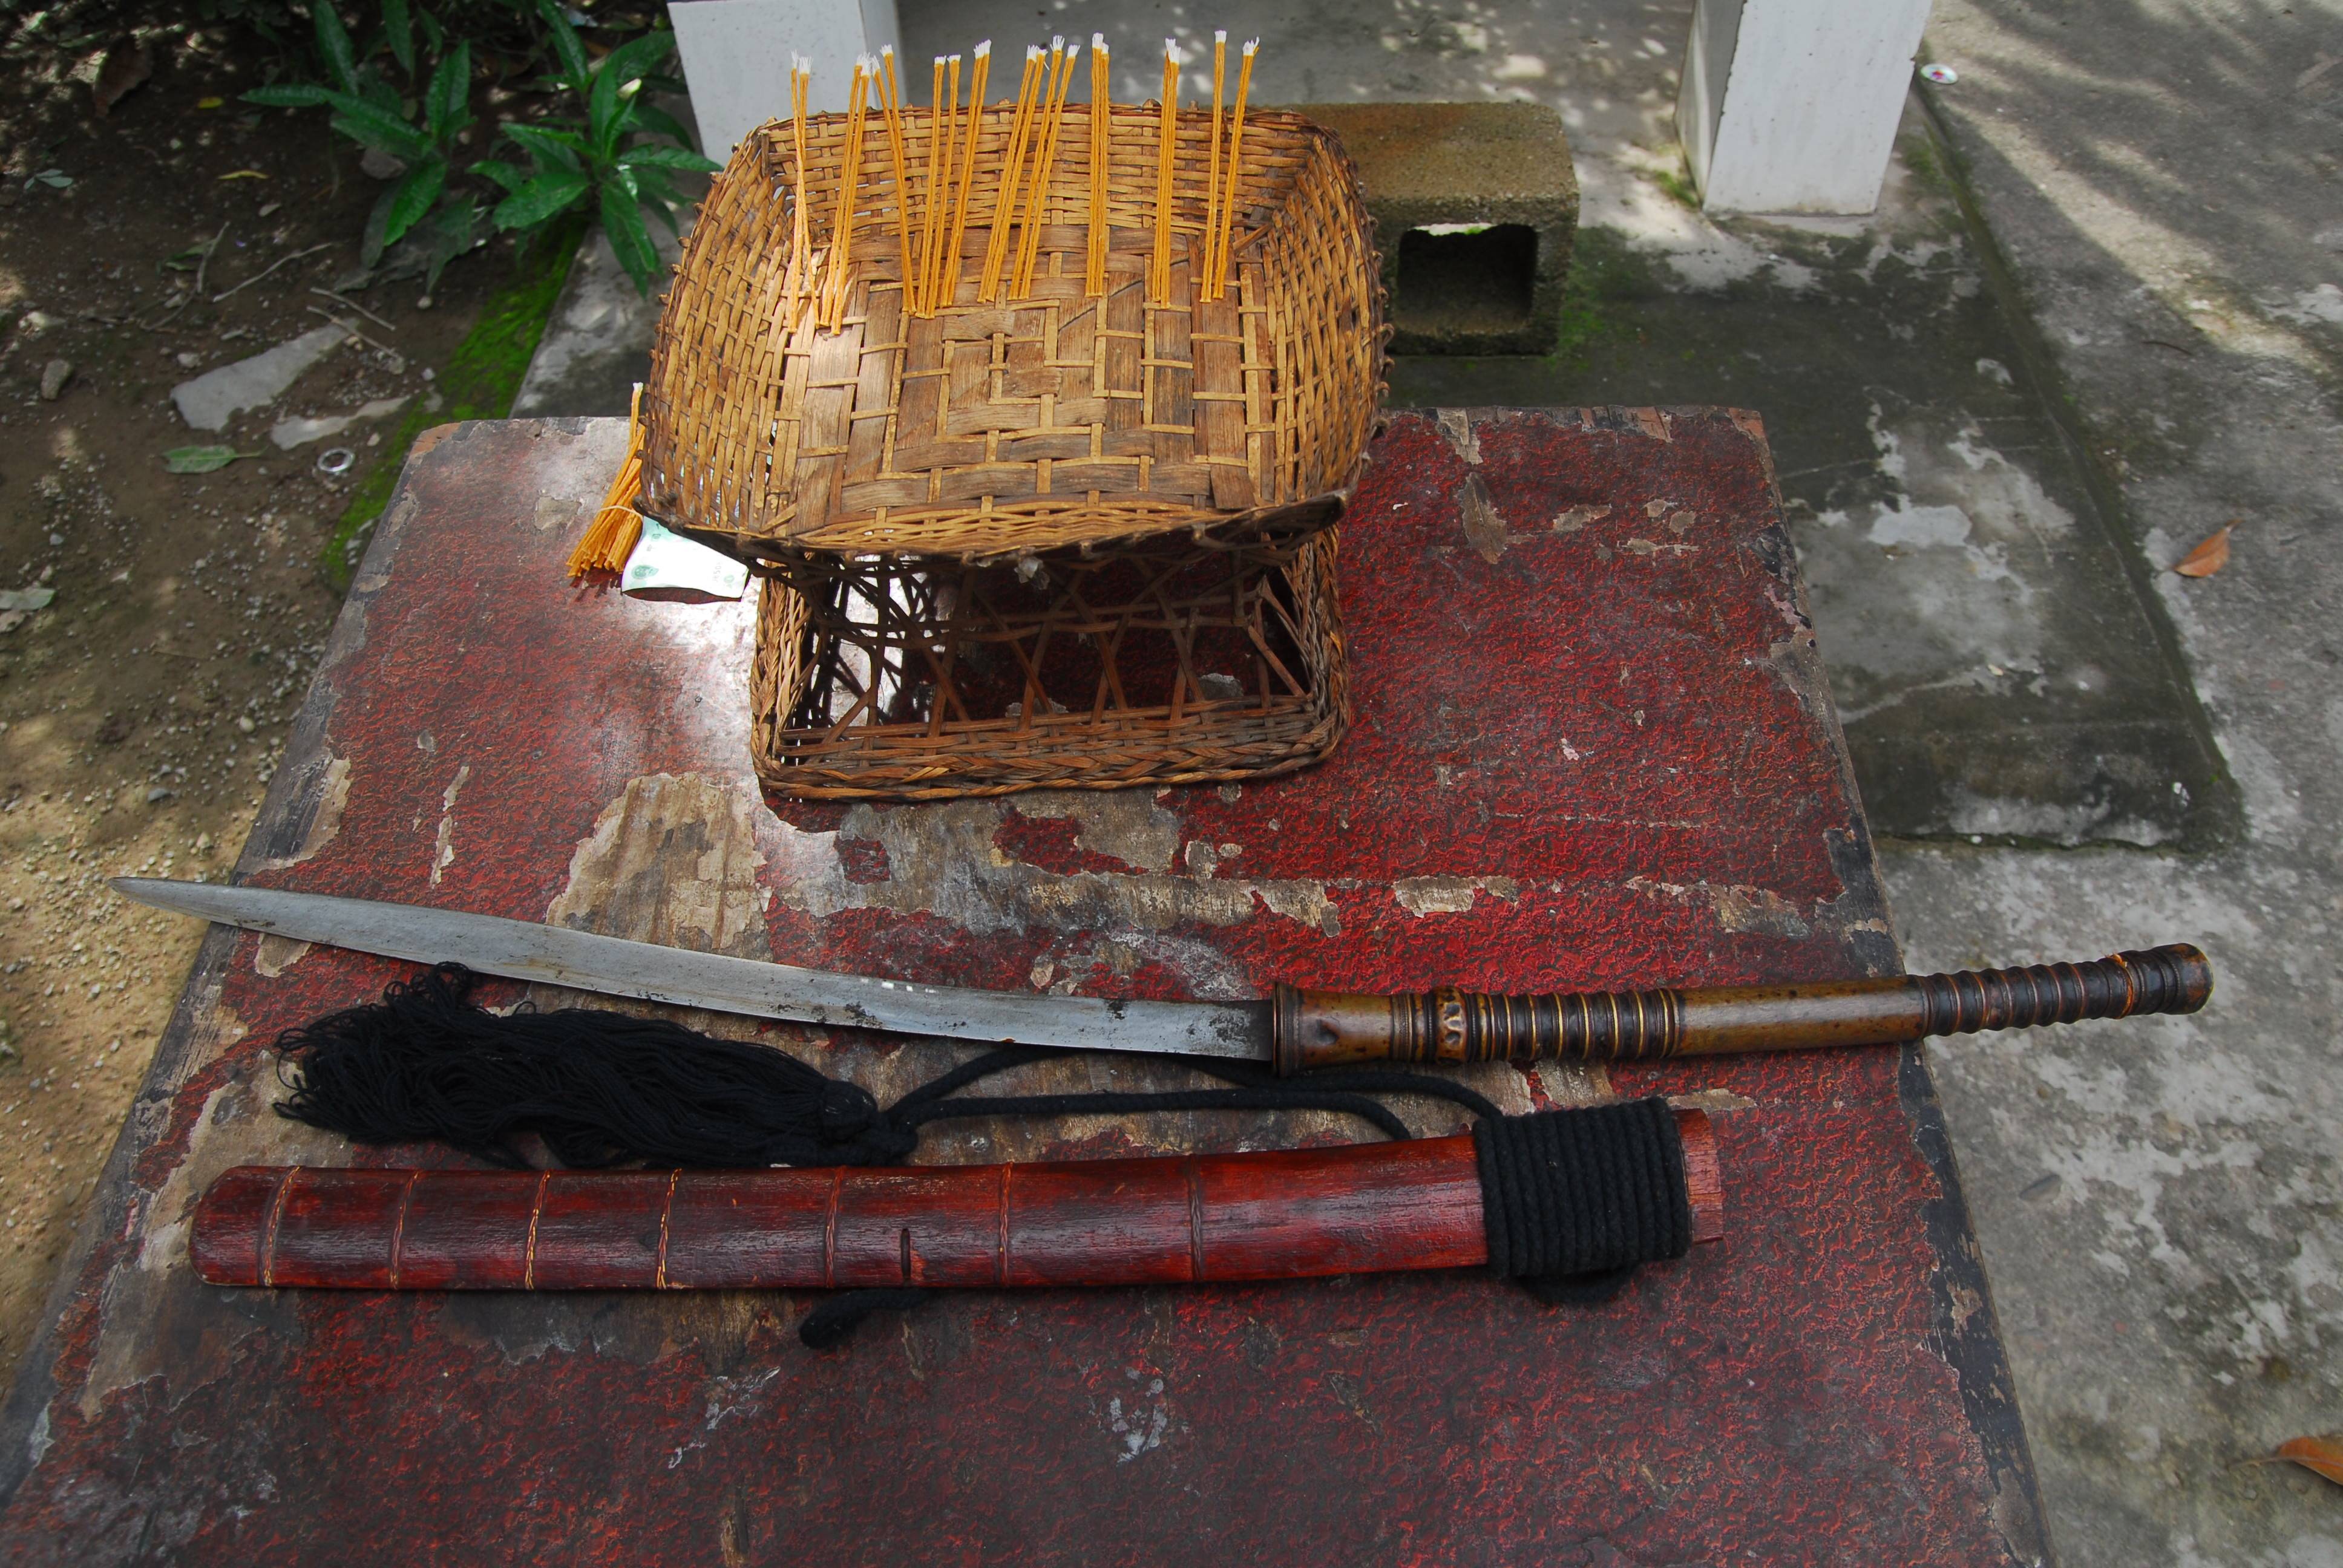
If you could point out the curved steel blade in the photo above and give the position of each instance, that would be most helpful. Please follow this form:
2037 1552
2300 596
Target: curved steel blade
555 955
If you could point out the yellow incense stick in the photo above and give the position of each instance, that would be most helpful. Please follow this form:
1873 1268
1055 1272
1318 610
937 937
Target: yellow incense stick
967 171
935 167
850 183
1158 282
1236 163
1101 108
800 224
941 218
996 244
891 102
1062 78
1212 180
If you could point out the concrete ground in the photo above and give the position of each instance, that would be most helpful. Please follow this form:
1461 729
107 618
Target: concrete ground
2096 315
2159 1206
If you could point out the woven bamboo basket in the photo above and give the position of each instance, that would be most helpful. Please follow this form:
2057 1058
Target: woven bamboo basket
1052 505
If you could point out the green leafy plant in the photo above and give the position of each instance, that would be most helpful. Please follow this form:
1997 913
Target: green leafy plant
424 139
607 160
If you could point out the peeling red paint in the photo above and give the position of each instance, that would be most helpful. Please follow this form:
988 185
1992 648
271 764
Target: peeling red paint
1584 720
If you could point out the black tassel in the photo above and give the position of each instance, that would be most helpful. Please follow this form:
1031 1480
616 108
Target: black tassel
600 1088
608 1088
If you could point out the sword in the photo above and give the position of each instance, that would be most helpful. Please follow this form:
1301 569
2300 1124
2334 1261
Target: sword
1293 1030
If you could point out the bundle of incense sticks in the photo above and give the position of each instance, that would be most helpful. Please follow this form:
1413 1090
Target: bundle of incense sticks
1101 105
936 190
832 311
1159 260
1219 225
610 537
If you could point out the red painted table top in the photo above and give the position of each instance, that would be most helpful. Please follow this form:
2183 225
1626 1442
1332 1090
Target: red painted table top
1593 748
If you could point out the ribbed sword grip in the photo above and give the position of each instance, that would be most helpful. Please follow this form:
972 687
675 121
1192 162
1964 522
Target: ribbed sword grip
1448 1026
2176 978
1329 1028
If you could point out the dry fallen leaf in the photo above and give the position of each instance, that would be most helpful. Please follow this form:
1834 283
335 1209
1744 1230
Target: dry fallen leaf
126 67
2209 557
2319 1455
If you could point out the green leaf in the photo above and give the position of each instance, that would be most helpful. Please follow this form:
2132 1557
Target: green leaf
602 124
399 32
287 96
201 460
636 57
412 196
630 242
446 107
434 34
551 193
653 189
651 118
334 45
547 146
371 243
576 70
511 176
362 122
658 157
447 234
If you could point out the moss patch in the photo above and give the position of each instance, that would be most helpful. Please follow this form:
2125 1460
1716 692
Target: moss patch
1677 183
478 382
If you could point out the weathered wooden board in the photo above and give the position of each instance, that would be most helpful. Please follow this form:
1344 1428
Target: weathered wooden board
1595 747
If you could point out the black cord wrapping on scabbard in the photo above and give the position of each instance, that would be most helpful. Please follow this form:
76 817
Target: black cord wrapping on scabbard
1574 1201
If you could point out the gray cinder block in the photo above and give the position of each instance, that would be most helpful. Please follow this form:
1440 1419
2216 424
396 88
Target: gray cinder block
1475 208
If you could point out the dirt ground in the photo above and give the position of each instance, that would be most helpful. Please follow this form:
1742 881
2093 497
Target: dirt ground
142 711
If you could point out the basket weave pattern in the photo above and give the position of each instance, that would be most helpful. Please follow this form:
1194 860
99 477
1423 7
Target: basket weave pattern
1155 662
991 429
1053 539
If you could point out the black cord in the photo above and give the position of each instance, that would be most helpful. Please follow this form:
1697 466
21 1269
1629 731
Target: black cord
1573 1199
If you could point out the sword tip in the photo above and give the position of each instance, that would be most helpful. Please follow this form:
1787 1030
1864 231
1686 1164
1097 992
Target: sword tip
159 891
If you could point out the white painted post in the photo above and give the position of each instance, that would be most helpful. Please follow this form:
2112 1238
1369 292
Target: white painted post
736 58
1790 106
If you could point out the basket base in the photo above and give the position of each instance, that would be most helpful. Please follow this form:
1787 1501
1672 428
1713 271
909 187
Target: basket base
1165 662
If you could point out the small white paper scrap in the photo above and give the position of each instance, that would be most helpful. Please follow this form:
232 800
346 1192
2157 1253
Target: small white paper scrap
667 565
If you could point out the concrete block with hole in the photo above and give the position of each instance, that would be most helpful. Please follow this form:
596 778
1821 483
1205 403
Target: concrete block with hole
1475 208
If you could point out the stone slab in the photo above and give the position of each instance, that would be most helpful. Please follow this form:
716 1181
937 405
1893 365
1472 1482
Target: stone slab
207 402
1595 746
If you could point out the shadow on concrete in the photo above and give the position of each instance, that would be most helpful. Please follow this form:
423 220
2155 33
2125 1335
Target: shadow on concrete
2002 670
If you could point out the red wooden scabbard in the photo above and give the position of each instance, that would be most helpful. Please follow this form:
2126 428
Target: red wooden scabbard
1185 1220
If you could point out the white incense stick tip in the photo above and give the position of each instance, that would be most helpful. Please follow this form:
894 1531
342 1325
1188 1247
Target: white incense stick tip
951 59
1057 42
886 51
939 59
1219 35
1032 51
984 50
1251 45
1098 42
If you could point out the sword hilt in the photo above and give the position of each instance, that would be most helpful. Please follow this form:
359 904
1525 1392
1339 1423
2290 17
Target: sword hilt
1329 1028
